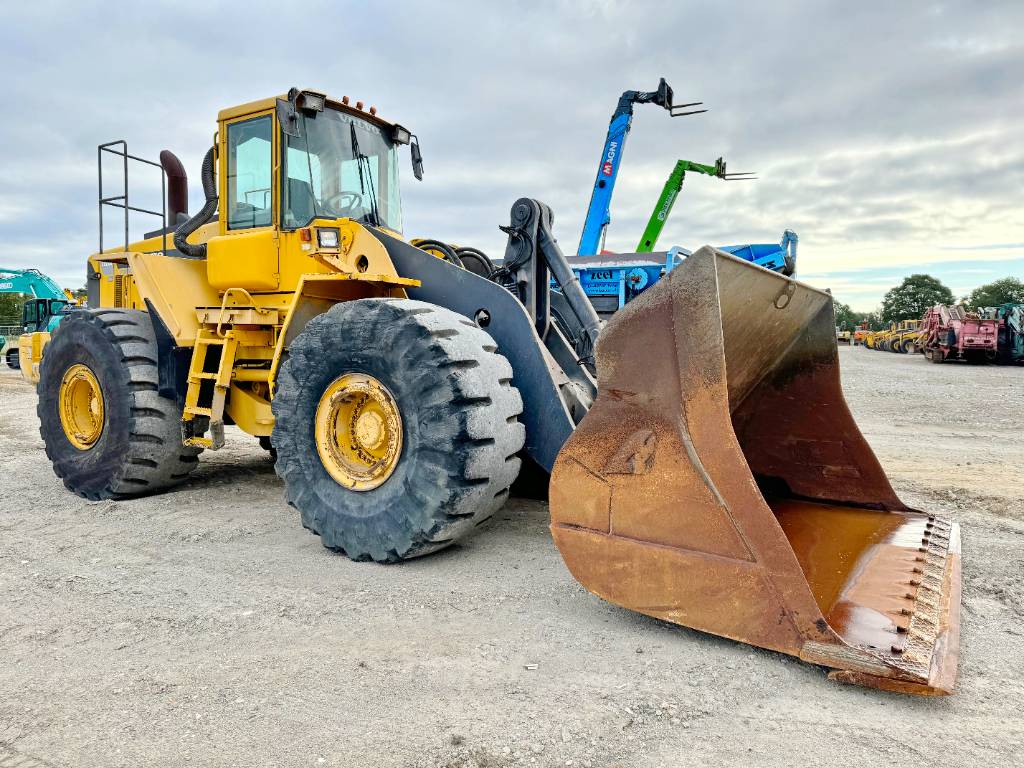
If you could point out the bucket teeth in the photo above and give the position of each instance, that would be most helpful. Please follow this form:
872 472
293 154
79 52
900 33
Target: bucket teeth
926 614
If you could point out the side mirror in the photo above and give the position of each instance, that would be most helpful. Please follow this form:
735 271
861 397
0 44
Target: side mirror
417 158
288 118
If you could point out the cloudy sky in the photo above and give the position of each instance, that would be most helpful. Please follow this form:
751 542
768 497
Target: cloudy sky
888 135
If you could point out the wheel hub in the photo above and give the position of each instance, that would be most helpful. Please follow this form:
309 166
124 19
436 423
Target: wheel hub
81 407
358 431
370 430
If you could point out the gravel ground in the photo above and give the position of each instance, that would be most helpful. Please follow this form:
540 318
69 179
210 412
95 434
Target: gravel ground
206 627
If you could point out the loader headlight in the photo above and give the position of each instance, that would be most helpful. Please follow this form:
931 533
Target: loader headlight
327 238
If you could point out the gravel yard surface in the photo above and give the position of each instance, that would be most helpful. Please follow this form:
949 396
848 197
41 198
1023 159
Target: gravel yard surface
206 627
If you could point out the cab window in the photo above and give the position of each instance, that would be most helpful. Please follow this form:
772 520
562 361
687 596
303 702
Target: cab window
249 178
303 187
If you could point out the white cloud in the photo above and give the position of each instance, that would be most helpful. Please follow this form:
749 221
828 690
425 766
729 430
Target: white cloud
884 134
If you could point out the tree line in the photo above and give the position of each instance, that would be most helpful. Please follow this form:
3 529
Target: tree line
910 299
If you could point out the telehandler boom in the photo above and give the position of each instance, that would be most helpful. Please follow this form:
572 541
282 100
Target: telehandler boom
700 474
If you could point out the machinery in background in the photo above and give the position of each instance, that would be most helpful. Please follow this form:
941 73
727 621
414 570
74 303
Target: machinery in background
859 334
778 257
670 192
901 336
598 217
843 336
41 313
611 280
950 332
1010 331
702 471
904 336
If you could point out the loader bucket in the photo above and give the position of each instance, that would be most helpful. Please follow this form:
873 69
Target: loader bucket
719 482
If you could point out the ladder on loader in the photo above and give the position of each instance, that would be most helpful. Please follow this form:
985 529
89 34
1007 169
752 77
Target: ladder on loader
227 329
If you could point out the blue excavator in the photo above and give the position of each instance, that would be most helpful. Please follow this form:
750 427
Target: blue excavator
43 312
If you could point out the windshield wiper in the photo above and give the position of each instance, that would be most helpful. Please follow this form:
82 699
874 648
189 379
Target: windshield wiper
365 179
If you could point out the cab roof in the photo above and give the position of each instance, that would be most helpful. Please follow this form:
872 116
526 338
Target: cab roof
262 105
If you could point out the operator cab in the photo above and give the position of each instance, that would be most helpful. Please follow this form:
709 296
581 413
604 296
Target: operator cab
38 313
334 162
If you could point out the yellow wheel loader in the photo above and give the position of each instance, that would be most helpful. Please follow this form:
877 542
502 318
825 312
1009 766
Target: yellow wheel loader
698 473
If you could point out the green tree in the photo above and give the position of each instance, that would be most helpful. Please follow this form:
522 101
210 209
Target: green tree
846 318
913 296
10 308
1006 291
874 320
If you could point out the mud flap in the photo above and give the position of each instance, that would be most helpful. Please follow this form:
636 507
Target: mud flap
719 482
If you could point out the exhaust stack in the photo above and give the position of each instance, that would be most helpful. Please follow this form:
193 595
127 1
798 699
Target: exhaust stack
177 187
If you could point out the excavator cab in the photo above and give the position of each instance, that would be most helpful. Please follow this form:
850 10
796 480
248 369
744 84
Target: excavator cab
42 314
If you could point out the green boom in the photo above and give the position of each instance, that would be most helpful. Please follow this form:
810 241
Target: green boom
668 196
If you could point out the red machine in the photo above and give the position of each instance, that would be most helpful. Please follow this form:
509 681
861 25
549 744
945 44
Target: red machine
949 332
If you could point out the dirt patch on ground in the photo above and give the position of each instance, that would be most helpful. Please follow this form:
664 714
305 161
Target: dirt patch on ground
206 627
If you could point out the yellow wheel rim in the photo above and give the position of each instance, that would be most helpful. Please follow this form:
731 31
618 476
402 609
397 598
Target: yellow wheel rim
358 431
81 407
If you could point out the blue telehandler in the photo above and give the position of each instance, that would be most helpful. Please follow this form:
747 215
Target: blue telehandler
599 211
611 280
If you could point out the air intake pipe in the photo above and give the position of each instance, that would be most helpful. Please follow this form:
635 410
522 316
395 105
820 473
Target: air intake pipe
205 214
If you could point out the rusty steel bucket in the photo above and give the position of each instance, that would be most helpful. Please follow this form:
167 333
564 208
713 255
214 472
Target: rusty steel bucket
719 482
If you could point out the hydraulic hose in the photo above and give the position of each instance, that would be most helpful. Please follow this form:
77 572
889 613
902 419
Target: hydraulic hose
206 213
476 261
436 247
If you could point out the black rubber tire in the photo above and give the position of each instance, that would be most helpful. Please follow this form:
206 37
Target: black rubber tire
460 422
476 261
13 361
268 446
139 450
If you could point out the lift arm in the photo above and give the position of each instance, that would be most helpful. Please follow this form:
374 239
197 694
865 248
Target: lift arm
599 211
29 281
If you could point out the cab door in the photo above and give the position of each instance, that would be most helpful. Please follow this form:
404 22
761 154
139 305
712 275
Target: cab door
30 316
245 255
